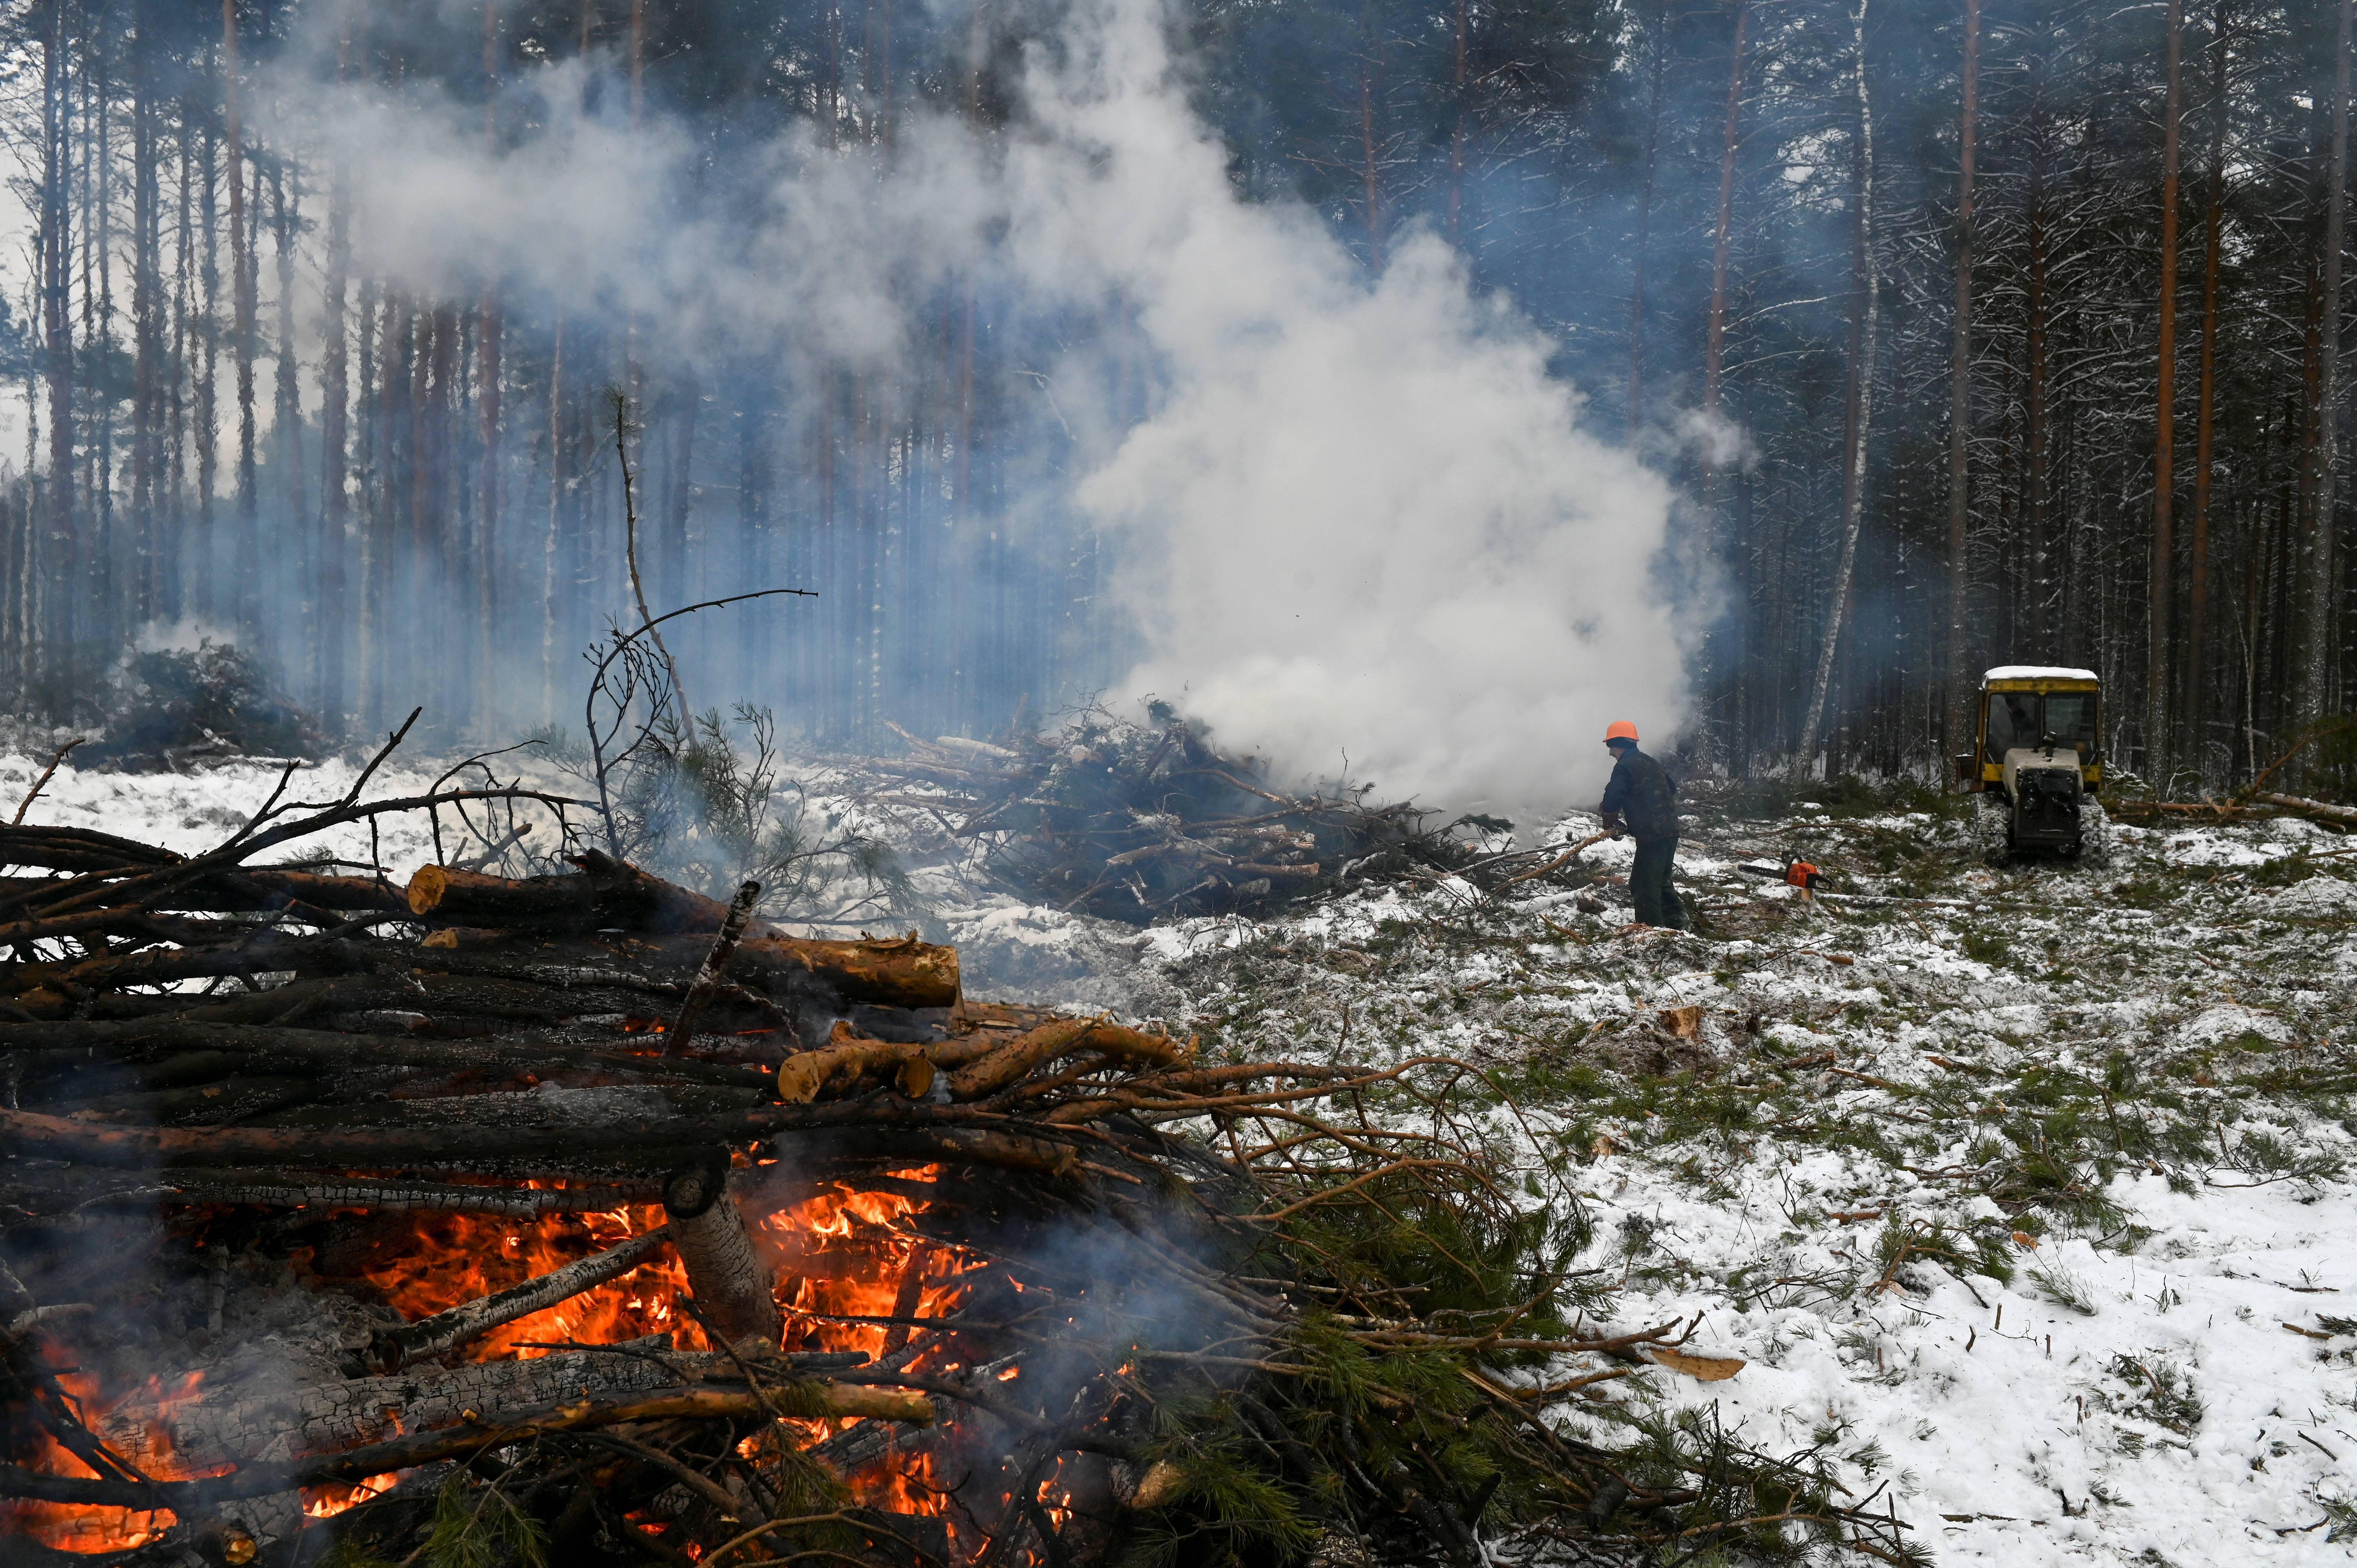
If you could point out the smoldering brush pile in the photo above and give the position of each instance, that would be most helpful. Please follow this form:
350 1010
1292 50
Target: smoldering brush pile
1133 821
582 1218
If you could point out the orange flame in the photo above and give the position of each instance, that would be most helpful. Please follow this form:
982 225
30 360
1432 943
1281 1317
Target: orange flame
840 1252
72 1526
326 1502
435 1261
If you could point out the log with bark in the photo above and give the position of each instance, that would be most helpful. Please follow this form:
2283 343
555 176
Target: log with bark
2249 807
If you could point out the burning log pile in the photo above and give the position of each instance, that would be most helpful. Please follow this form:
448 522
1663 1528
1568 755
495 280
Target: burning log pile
581 1218
1133 822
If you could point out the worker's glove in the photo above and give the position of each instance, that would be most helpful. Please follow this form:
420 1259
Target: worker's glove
1612 823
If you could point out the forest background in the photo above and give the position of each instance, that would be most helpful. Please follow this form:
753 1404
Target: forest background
1965 331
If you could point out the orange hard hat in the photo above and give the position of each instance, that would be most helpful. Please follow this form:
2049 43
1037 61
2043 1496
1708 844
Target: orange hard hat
1620 729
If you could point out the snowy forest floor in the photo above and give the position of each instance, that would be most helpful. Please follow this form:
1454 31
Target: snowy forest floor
2026 1189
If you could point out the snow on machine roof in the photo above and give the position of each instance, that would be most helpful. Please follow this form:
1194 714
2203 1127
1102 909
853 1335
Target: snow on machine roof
2036 672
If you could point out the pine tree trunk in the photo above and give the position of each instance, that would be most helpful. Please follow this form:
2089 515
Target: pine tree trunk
1644 217
1464 107
550 544
248 552
2318 570
1864 312
2309 420
335 435
830 77
489 325
146 315
366 434
2161 591
638 62
205 548
176 555
396 456
757 548
98 326
1715 344
16 542
489 328
2037 500
432 526
679 505
2254 548
1714 499
61 558
822 549
2193 742
885 127
286 403
1370 176
2280 597
430 397
1960 398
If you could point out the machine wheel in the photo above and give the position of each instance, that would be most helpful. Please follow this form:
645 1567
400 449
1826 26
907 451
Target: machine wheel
2095 847
1993 827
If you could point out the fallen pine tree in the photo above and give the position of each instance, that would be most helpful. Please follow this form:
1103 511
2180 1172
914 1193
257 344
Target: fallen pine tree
581 1218
2255 807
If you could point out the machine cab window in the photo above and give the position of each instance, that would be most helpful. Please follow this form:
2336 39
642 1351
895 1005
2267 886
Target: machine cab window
2071 720
2013 720
2038 718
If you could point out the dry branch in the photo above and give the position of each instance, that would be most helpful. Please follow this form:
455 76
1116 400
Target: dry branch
716 964
1565 858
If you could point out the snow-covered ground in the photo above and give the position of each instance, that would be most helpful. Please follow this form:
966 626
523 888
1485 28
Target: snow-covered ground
2027 1189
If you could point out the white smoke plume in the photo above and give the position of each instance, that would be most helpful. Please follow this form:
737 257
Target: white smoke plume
1359 524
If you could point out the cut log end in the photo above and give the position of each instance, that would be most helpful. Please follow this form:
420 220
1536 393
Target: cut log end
429 886
1157 1487
850 1058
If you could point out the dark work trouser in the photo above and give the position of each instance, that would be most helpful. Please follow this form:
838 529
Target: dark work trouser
1648 883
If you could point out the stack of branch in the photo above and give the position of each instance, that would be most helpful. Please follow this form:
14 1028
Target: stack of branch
1133 822
1215 1302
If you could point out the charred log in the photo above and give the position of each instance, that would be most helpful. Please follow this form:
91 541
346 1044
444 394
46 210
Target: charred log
68 1192
446 1331
368 1425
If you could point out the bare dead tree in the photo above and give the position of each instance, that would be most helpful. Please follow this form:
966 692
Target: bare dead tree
1864 321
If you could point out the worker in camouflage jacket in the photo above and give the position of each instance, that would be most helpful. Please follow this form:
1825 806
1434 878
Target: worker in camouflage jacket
1641 799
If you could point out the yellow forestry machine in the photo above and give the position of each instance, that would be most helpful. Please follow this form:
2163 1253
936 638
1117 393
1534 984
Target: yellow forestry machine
2035 765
